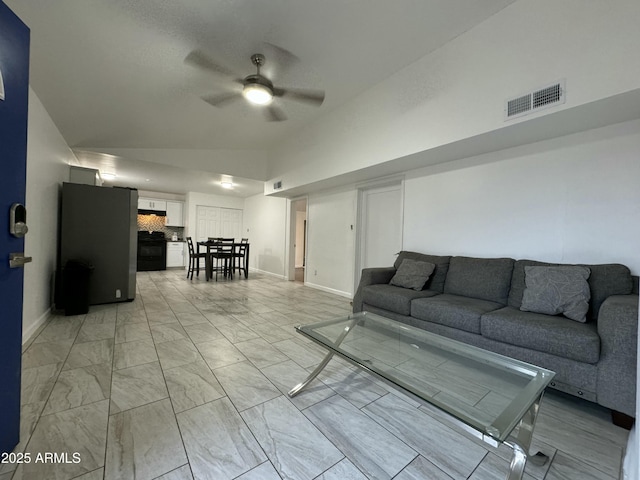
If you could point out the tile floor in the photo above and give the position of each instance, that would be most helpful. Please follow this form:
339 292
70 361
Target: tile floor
189 381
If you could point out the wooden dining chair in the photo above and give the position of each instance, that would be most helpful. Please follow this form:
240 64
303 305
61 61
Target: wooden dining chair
222 257
239 256
194 259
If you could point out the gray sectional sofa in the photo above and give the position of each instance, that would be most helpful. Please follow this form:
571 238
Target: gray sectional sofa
478 301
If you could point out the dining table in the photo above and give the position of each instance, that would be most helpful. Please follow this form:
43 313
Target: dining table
235 248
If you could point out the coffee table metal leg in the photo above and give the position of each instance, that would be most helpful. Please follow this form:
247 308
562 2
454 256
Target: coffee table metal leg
295 390
521 445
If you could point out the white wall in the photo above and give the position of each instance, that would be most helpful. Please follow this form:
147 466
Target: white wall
265 224
331 241
458 91
48 157
573 199
193 199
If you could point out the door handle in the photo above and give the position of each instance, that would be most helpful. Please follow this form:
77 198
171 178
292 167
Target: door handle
17 260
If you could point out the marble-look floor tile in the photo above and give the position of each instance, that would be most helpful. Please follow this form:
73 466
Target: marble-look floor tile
345 470
80 386
264 471
135 386
192 385
586 446
494 468
182 473
293 444
218 443
245 385
167 332
448 450
90 332
287 375
190 318
565 467
350 383
220 353
144 443
60 329
45 353
130 354
259 352
38 382
370 447
300 353
131 332
271 332
94 475
90 353
128 317
203 332
237 332
177 353
81 431
29 415
160 318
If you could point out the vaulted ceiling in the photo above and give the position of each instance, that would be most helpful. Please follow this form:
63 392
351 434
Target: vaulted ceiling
111 74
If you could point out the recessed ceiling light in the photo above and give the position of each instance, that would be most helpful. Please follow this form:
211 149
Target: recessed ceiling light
226 184
108 176
147 179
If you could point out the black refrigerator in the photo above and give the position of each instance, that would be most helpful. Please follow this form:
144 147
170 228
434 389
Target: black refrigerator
98 229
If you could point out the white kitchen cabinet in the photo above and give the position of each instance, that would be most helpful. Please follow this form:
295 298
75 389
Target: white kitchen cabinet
175 254
174 214
152 204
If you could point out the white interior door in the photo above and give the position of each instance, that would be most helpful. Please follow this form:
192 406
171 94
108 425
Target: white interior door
208 222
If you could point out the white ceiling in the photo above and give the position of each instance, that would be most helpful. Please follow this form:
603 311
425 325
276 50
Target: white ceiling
112 76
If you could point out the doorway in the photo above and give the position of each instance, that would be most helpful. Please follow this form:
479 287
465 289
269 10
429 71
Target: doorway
298 255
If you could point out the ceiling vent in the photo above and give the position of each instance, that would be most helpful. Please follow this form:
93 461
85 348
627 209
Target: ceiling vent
548 96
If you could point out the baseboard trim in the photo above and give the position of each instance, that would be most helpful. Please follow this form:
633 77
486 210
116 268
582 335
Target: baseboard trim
328 290
271 274
34 328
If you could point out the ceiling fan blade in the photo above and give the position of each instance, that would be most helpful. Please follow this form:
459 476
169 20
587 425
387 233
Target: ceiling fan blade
199 59
221 99
283 57
274 114
314 97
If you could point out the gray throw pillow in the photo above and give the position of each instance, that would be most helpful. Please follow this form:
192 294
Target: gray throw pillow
555 290
412 274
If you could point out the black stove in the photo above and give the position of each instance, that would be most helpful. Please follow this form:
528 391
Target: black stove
152 251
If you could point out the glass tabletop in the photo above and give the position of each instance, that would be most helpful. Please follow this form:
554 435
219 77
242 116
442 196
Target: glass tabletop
484 390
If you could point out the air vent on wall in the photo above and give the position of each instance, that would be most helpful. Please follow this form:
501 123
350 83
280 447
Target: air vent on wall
277 185
540 98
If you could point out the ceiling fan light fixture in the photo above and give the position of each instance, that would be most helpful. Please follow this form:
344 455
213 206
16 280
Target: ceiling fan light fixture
257 93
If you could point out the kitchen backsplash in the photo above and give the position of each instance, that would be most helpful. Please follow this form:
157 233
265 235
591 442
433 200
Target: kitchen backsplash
154 223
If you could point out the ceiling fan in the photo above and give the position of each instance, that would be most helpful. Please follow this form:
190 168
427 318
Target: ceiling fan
256 88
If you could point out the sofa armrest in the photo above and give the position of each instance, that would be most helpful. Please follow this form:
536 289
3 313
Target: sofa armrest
371 276
618 331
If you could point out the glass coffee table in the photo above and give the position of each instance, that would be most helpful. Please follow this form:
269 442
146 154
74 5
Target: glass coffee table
487 394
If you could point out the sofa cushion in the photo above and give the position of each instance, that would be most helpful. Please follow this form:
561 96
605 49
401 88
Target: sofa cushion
436 281
557 290
412 274
394 299
544 333
483 278
605 280
453 311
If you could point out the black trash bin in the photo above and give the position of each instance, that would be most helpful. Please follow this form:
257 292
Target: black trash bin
75 287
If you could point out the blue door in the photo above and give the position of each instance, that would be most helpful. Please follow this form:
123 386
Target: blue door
14 71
